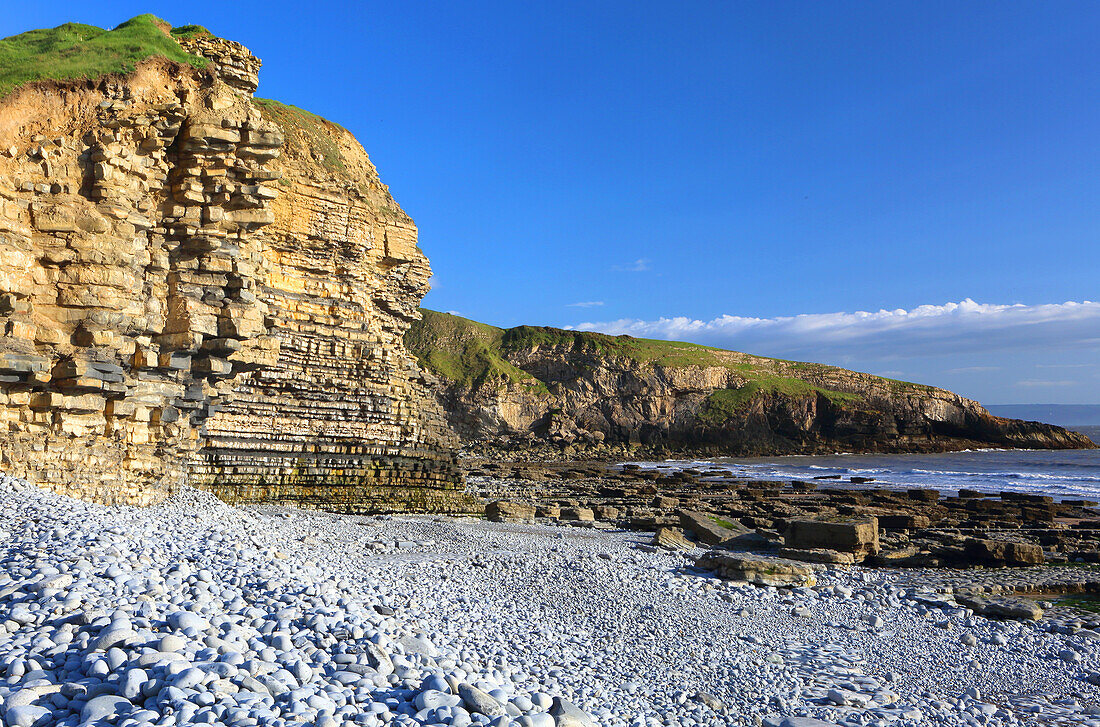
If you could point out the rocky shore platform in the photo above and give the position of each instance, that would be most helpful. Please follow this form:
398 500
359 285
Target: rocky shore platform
195 612
824 520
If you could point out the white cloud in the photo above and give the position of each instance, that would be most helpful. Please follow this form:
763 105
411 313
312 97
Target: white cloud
453 313
1044 384
586 304
640 265
951 328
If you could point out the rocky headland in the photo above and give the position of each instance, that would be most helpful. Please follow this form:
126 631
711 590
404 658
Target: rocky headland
202 287
552 393
199 286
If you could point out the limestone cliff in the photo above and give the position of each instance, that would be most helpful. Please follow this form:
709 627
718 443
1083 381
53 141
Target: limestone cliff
528 386
199 286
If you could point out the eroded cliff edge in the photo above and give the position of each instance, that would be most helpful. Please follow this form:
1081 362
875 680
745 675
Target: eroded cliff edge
199 286
541 390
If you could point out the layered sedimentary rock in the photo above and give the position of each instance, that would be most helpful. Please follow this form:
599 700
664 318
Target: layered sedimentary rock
529 387
201 287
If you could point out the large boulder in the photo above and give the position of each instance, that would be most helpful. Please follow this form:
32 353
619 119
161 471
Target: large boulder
1024 609
671 539
1003 552
758 569
1024 554
607 513
859 537
479 702
566 714
707 529
552 512
504 511
900 556
817 555
578 514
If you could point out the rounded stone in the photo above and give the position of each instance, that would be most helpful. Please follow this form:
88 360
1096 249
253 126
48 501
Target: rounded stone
26 715
105 707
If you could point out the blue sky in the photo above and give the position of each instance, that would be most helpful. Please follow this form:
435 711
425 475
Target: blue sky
678 166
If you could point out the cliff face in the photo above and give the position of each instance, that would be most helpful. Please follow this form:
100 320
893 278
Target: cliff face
198 286
527 386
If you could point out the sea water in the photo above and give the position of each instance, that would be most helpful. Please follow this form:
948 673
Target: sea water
1064 474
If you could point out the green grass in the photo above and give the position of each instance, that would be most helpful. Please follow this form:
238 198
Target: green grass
469 352
312 131
464 351
1083 601
723 523
725 404
435 328
191 31
678 354
73 51
643 350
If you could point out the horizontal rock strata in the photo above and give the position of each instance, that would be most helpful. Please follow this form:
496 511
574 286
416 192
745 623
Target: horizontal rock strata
761 570
198 286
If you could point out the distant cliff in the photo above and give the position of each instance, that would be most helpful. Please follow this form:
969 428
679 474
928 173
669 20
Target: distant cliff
198 286
533 386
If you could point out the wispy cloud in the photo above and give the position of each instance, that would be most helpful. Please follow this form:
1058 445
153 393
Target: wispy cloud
1065 366
1035 383
586 304
640 265
974 370
951 328
453 313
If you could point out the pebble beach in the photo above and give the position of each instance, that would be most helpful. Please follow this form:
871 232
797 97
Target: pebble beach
195 612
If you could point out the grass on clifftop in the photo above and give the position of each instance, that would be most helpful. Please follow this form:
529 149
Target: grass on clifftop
643 350
671 354
463 351
190 31
73 50
725 404
308 127
466 351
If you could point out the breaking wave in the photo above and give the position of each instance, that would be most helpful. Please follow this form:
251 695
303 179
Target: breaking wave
1064 474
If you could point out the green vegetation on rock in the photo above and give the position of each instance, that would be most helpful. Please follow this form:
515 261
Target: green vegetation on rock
678 354
309 127
642 350
1082 601
723 523
603 390
725 404
463 351
191 31
73 50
